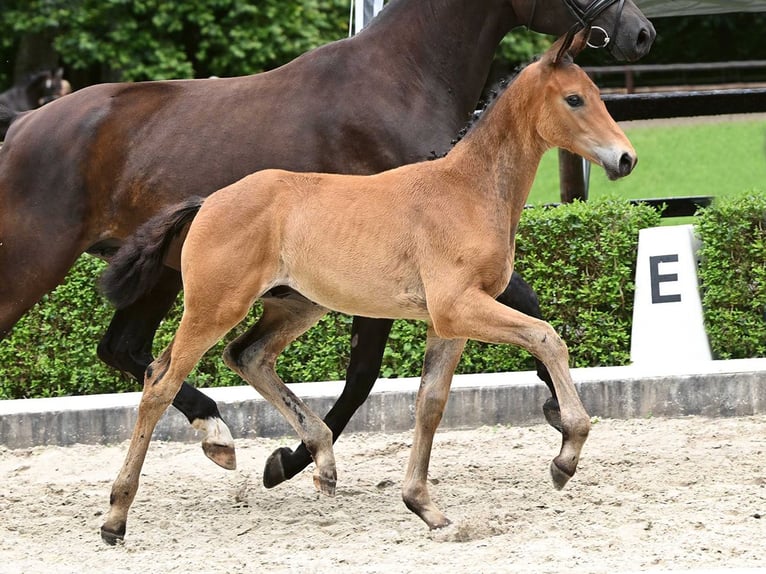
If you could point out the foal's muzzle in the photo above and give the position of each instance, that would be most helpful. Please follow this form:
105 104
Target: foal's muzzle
622 167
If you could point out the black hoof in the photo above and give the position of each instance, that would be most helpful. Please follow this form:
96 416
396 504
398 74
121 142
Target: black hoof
274 471
112 537
552 414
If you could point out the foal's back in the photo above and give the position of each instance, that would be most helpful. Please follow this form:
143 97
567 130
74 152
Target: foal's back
355 244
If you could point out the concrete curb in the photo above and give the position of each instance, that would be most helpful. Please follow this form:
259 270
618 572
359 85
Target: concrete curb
714 389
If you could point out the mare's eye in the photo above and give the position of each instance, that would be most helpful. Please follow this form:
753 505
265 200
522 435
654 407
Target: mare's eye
574 101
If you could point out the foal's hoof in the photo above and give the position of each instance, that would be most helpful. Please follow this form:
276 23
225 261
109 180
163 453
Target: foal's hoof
112 535
559 476
325 480
552 414
223 455
274 471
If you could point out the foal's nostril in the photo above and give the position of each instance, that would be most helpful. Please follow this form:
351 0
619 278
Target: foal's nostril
627 163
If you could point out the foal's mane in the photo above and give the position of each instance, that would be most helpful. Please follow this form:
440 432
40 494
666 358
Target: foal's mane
492 95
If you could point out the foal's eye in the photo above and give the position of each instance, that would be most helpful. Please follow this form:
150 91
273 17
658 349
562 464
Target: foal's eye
574 101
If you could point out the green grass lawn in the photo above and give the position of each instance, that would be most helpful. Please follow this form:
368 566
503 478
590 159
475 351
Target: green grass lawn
677 160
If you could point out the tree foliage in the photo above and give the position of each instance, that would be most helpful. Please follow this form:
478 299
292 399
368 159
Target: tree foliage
153 39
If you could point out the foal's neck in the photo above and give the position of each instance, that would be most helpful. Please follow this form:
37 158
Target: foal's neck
504 149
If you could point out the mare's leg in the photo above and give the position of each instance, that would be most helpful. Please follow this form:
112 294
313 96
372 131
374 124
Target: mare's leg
30 267
199 330
253 356
441 359
519 295
127 346
368 341
475 315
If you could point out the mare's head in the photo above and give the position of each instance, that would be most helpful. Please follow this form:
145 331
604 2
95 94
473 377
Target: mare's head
569 110
617 25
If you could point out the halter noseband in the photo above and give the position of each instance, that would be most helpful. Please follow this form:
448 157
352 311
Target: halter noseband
586 16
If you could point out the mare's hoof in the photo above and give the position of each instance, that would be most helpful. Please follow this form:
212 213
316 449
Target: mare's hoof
274 471
559 476
224 456
112 535
552 414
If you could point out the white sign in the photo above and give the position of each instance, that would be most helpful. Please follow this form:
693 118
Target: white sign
668 326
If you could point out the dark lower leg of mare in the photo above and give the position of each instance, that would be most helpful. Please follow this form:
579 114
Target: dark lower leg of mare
368 340
127 346
519 295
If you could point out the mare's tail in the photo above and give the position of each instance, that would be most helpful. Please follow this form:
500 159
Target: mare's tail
7 115
136 267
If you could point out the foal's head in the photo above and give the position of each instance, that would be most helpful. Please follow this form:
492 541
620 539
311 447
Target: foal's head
571 114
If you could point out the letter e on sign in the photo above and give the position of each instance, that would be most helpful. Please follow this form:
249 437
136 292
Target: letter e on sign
657 278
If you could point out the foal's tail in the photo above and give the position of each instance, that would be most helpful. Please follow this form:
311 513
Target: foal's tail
136 267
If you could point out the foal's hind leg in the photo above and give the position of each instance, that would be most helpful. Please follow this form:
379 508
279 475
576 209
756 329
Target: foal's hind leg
196 334
127 346
253 355
519 295
441 359
368 341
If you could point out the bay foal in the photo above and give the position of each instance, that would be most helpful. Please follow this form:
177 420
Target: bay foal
432 241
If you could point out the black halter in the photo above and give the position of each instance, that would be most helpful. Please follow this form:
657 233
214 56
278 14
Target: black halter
586 16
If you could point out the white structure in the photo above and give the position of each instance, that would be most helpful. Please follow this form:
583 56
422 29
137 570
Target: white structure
362 11
668 326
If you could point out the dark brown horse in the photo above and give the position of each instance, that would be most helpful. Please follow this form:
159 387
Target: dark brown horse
432 241
34 91
396 93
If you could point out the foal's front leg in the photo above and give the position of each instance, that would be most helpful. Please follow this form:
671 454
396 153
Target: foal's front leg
253 356
476 315
439 364
519 295
368 342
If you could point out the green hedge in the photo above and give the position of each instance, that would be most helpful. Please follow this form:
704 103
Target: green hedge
733 275
580 259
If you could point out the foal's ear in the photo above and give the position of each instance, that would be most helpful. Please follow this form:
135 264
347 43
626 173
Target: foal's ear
579 42
566 48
